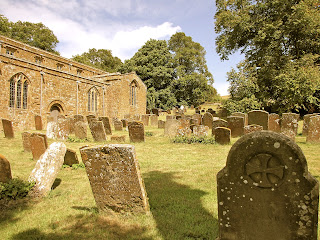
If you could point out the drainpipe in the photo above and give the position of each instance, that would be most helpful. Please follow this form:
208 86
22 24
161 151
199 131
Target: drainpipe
42 73
77 97
103 104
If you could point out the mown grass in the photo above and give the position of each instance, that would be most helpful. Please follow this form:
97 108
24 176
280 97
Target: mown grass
180 180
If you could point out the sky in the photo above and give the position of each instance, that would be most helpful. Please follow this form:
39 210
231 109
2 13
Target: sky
123 26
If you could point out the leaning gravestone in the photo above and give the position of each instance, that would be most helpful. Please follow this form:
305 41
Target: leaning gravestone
26 141
274 122
106 124
313 135
39 145
70 158
222 135
207 120
265 192
5 170
259 117
78 118
38 122
236 125
218 123
90 118
47 168
97 131
136 131
80 130
7 128
183 127
115 178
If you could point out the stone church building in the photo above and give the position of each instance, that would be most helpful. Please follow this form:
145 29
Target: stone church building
36 82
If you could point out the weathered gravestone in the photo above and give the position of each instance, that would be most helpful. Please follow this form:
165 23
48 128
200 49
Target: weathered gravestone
170 117
97 131
153 120
161 124
5 170
78 118
71 123
117 125
39 145
200 130
218 123
207 120
252 128
90 118
136 131
265 191
38 122
306 121
289 124
194 121
124 123
118 138
314 129
222 135
106 125
171 127
240 114
7 128
259 117
115 178
70 158
236 125
80 130
26 141
47 168
274 123
183 127
145 120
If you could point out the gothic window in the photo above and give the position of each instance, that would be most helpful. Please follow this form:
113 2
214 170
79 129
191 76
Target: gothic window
25 95
93 100
19 94
18 91
12 93
133 93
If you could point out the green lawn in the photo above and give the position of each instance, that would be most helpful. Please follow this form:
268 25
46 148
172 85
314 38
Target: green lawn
180 180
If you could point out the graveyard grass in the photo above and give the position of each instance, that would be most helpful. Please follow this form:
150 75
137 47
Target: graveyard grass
180 181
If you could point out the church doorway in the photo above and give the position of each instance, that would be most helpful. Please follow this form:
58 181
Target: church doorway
56 110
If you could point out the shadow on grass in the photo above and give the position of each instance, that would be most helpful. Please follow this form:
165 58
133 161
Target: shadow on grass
177 208
9 210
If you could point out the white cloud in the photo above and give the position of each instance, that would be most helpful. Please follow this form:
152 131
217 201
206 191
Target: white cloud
222 87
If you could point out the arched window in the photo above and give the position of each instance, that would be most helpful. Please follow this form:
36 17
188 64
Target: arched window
93 100
133 93
19 94
18 91
12 93
25 95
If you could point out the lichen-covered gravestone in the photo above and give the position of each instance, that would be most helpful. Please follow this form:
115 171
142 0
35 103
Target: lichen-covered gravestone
47 168
7 128
274 122
200 130
115 178
265 192
136 131
218 123
171 127
306 121
252 128
106 124
117 125
314 129
97 131
259 117
80 130
5 170
289 124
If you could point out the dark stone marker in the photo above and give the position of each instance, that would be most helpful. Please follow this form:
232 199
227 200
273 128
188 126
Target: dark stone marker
153 120
155 111
265 192
38 122
289 124
259 117
240 114
236 125
80 130
161 124
222 135
136 131
115 178
313 135
97 131
26 141
118 138
106 124
70 158
218 123
39 145
207 120
252 128
7 128
5 170
124 123
274 122
90 118
117 125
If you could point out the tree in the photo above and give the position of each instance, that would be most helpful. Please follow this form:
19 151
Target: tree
274 36
101 58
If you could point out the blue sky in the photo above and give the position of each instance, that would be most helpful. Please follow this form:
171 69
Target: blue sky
123 26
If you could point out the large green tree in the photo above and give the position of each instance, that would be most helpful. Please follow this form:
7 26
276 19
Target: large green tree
279 39
101 58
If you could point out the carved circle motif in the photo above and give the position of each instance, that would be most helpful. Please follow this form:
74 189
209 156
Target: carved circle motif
265 170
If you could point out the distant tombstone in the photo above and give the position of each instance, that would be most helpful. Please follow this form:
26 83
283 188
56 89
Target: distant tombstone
198 117
106 125
265 191
117 125
170 117
222 135
80 130
194 121
191 107
168 111
39 145
306 121
313 135
161 124
155 111
47 169
5 170
118 138
218 123
97 131
200 130
70 158
38 122
289 124
197 110
26 141
259 117
236 125
240 114
274 122
252 128
223 113
90 117
78 118
136 131
153 120
210 110
207 120
124 123
7 128
171 127
145 120
115 178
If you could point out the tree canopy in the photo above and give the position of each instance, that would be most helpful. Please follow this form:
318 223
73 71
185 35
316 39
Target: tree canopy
279 39
34 34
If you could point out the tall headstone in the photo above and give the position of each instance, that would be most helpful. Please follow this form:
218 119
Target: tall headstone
265 191
39 145
289 124
97 131
26 141
259 117
80 130
313 135
47 169
5 170
145 119
153 120
7 128
218 123
38 122
236 125
136 131
117 125
274 122
222 135
115 178
70 158
106 124
207 120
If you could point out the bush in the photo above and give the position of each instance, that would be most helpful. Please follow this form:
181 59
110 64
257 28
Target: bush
76 140
149 134
15 189
77 166
193 139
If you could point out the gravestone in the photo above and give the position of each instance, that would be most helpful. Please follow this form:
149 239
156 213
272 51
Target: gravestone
265 191
97 131
306 121
222 113
218 123
71 123
115 178
171 127
236 125
47 169
194 121
38 122
155 111
200 130
274 122
7 128
39 145
106 125
240 114
63 128
145 120
259 117
213 112
313 135
124 123
184 127
170 117
52 130
70 158
5 170
289 124
80 130
118 138
26 141
90 118
207 120
78 118
153 120
252 128
222 135
161 124
136 131
117 125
